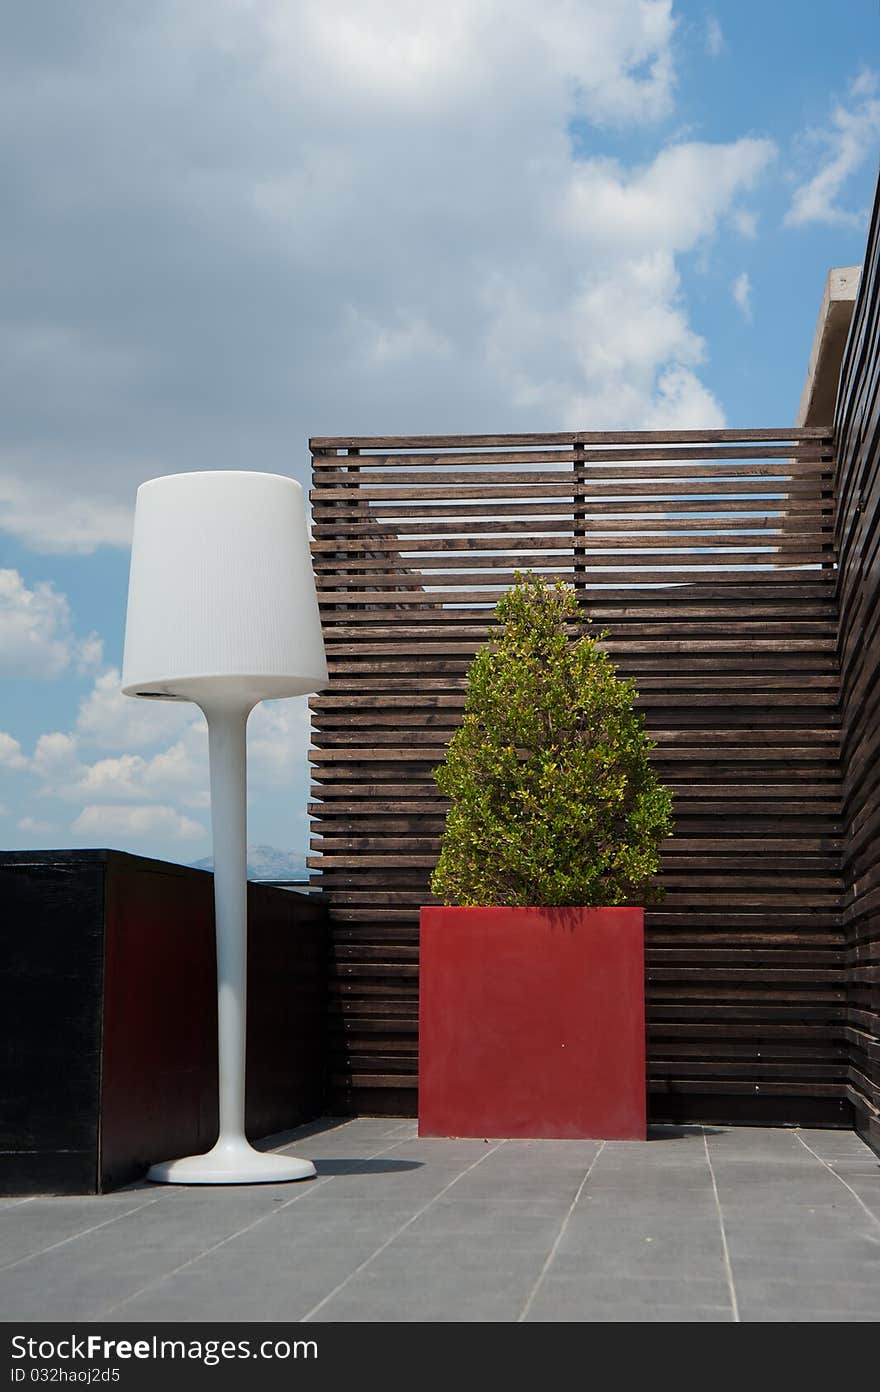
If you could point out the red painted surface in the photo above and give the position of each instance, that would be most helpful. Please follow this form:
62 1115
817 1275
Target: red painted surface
532 1023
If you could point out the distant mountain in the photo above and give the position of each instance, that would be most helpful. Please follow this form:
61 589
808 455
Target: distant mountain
267 863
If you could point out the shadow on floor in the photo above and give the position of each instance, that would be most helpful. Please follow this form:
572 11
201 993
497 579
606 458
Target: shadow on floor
365 1167
659 1132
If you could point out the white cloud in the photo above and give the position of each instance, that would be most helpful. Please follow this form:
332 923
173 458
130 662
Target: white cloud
741 290
114 825
343 218
109 778
680 398
181 771
848 141
36 633
672 203
11 756
428 60
57 520
128 777
278 733
34 825
177 773
745 220
627 337
609 341
55 756
90 653
152 791
397 339
864 84
108 720
278 741
715 44
139 771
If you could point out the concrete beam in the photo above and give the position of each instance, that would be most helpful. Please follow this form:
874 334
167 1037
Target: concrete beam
819 395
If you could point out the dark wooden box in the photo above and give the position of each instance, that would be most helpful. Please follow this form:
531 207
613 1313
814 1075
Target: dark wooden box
109 1016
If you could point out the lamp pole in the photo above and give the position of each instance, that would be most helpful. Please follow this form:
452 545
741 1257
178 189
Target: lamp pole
227 751
232 1160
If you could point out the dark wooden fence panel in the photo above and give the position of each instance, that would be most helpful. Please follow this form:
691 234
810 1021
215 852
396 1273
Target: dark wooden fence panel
108 1001
858 537
709 558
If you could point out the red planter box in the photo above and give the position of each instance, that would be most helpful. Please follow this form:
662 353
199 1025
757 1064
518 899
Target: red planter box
532 1023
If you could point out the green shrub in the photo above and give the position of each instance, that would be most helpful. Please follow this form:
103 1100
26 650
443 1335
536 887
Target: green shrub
553 798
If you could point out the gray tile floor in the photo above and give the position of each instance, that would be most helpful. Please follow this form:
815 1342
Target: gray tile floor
714 1224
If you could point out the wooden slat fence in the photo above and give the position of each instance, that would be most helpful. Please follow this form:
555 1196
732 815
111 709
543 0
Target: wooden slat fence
709 556
858 539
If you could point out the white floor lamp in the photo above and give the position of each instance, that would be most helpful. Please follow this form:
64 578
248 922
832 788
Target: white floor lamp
222 611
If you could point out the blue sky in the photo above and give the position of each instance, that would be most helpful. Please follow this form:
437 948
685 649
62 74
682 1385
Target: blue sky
236 223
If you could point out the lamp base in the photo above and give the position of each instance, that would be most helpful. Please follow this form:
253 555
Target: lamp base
232 1162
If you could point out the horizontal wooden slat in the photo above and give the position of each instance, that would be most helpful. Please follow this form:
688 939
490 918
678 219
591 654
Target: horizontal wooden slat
327 513
359 551
464 532
585 437
595 466
753 489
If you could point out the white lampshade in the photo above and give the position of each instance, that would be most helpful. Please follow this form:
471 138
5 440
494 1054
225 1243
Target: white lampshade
221 593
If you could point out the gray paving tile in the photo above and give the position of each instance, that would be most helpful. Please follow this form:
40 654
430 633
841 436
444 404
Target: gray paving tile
826 1141
783 1184
556 1194
867 1165
273 1274
336 1222
865 1182
431 1256
763 1144
33 1227
430 1274
348 1148
415 1187
839 1214
768 1299
505 1223
785 1242
647 1214
444 1296
630 1197
219 1196
669 1146
796 1160
568 1296
545 1154
695 1258
609 1215
438 1151
667 1170
76 1281
278 1274
56 1296
806 1269
646 1240
754 1237
800 1314
640 1314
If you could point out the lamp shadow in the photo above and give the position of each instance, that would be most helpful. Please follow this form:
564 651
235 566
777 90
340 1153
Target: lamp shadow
658 1131
365 1167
